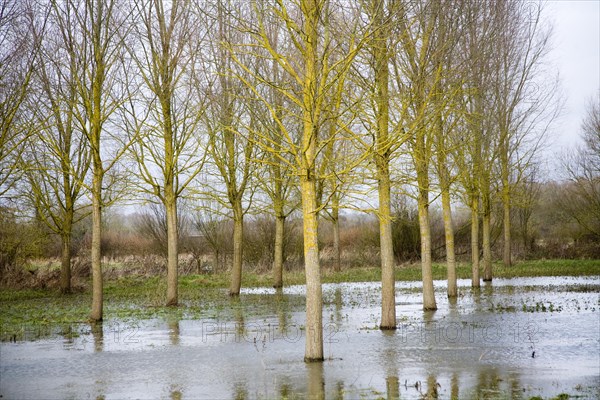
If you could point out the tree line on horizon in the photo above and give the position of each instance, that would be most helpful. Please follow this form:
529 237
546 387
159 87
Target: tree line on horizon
281 106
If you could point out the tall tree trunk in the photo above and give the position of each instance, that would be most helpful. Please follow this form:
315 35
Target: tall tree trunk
310 130
449 235
314 296
428 294
388 281
506 226
486 240
475 241
335 220
382 161
504 172
172 251
278 252
66 252
238 241
97 300
65 263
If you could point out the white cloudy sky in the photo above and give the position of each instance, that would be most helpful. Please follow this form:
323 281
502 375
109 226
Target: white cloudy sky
576 54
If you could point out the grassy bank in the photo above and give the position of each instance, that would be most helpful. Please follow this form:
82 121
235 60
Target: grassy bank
131 298
135 286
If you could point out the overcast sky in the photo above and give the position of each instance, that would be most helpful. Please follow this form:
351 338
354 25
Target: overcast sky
576 53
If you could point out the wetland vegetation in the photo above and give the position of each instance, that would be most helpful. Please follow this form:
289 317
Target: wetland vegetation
292 199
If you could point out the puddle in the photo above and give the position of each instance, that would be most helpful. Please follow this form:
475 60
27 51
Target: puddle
517 338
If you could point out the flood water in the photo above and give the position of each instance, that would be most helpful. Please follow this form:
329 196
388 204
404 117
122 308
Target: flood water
516 338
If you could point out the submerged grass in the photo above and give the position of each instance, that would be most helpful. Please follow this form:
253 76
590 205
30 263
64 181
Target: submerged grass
205 295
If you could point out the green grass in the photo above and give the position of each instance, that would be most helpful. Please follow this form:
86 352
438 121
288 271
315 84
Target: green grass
412 272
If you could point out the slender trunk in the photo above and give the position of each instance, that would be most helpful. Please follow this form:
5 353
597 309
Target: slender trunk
335 219
278 252
314 296
428 295
381 57
506 223
238 241
475 241
65 263
527 245
450 253
97 300
67 225
96 118
172 251
310 131
486 240
506 226
388 281
217 261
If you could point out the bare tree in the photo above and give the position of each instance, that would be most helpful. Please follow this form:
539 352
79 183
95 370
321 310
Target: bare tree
581 200
277 181
524 105
372 75
95 29
165 115
57 159
419 67
317 84
231 125
215 230
473 156
20 33
153 224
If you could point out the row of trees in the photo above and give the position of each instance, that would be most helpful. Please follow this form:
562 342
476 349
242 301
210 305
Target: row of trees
274 105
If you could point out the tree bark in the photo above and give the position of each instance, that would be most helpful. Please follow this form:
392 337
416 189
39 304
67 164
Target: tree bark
67 229
97 295
310 130
172 252
65 263
475 242
238 241
314 296
449 235
486 240
388 280
278 252
506 226
428 294
335 220
382 161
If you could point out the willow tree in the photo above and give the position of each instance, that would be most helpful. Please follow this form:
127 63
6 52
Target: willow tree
57 157
308 25
473 158
164 114
277 181
383 149
445 124
524 106
338 175
231 125
419 77
95 30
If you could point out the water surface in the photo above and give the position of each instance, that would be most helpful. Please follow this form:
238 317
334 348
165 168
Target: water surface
517 338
